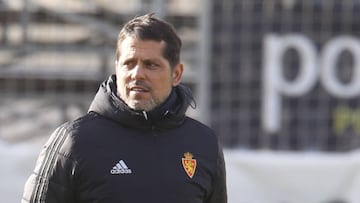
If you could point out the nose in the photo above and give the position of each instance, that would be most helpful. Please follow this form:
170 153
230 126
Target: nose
137 73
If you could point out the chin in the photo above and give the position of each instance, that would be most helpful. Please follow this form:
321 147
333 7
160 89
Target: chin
138 106
143 106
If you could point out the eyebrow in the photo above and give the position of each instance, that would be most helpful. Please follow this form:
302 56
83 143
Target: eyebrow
152 60
143 60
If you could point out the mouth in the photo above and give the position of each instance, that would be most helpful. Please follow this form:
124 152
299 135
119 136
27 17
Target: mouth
139 89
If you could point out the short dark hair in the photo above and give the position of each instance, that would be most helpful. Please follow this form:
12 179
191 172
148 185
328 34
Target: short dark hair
147 27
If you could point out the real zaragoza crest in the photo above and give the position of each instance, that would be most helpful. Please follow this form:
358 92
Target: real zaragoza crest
189 164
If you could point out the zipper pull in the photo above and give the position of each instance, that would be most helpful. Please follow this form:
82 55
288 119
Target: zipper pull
145 115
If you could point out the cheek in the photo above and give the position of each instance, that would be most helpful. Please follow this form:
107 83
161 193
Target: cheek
164 81
121 80
121 75
165 85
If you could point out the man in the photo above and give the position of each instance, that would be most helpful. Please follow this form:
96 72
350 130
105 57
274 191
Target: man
135 144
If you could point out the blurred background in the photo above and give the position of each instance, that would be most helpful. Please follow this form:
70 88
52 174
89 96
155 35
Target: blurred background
278 80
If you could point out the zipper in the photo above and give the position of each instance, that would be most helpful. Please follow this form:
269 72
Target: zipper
145 115
153 128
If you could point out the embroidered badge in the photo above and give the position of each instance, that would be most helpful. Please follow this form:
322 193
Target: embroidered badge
189 164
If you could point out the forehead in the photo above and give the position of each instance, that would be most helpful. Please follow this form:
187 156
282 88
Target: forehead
132 47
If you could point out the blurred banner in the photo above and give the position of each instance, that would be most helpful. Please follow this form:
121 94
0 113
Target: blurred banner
286 74
280 177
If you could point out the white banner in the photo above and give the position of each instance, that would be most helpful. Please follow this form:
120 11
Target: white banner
279 177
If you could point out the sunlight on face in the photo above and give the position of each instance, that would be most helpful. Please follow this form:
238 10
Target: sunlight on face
144 76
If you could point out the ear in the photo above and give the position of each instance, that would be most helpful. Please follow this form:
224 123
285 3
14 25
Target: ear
177 74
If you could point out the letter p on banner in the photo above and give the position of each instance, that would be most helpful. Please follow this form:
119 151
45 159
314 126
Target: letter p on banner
274 82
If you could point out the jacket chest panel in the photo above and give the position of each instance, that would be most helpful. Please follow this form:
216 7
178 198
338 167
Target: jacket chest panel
148 163
142 166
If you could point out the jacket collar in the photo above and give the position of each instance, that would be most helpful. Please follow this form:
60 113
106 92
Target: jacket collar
168 115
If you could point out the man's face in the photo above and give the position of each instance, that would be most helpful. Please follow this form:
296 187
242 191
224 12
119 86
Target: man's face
144 76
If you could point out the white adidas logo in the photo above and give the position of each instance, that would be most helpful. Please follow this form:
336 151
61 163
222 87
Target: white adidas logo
120 168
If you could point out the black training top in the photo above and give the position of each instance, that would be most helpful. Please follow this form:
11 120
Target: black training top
116 155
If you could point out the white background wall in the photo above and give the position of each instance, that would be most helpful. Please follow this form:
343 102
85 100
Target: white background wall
308 177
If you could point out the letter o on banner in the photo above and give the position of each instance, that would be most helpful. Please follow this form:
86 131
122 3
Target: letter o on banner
329 58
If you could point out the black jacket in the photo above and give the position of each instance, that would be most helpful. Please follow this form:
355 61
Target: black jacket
116 155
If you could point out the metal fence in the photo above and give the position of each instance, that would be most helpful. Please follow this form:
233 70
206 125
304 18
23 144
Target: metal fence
274 74
285 74
54 54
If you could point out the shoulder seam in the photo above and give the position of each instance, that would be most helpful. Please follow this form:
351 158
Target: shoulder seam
75 123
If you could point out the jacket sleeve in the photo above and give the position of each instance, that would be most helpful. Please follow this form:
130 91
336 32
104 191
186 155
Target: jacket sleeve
219 192
52 179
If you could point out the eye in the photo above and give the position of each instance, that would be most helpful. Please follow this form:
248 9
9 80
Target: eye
151 65
128 64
